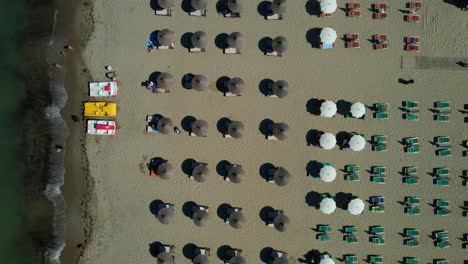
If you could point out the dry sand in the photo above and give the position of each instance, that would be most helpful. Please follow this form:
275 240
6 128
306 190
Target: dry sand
123 224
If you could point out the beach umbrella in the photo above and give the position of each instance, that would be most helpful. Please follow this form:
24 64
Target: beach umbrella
200 128
236 174
236 129
327 173
237 260
327 206
279 44
281 176
199 39
165 215
165 80
236 5
165 258
236 86
199 4
201 259
281 260
165 37
357 143
280 88
279 6
165 171
201 218
356 206
358 109
328 6
328 35
236 40
327 141
327 261
281 221
200 82
280 131
328 109
165 125
236 219
165 4
200 173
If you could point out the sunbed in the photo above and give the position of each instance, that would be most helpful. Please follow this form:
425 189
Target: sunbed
377 199
327 46
380 208
323 237
379 6
378 179
412 18
411 116
350 259
411 242
442 140
441 234
163 12
413 5
442 117
381 115
381 107
412 47
442 203
324 228
352 36
465 153
231 51
352 44
410 260
350 229
380 147
410 180
375 259
414 149
411 200
410 104
379 169
380 16
409 232
412 39
350 239
195 49
352 168
353 5
411 140
353 13
441 171
442 211
441 261
444 152
412 211
377 230
197 13
379 139
441 182
441 104
377 240
352 177
379 37
229 14
322 14
381 46
410 171
444 243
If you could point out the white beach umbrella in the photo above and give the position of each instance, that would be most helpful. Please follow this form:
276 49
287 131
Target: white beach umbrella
326 260
327 206
356 206
328 6
328 35
357 142
327 173
327 141
358 109
328 109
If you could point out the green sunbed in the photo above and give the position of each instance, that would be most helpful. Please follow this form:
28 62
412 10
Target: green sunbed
378 179
441 104
379 147
381 107
465 153
350 239
410 180
441 261
410 260
444 243
377 208
377 230
411 200
441 182
412 149
411 116
379 169
377 240
352 177
465 213
441 171
412 211
411 140
442 203
381 115
411 232
323 237
410 170
324 228
442 117
375 259
441 234
379 139
442 140
444 152
352 168
410 104
411 243
350 229
351 259
442 211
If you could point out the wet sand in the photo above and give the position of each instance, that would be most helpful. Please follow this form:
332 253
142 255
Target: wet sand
124 226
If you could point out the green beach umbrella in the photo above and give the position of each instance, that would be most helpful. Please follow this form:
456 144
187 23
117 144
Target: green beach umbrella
165 37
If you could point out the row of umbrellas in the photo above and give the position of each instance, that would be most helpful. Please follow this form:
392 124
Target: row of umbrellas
329 109
355 206
328 141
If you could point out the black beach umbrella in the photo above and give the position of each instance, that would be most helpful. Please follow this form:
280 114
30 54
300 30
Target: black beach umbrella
236 40
164 80
201 218
200 39
236 174
236 86
200 82
199 4
280 88
165 125
236 129
280 131
281 176
280 44
165 215
165 37
165 258
165 171
236 5
236 219
281 221
200 173
281 260
200 128
166 3
237 260
279 6
201 259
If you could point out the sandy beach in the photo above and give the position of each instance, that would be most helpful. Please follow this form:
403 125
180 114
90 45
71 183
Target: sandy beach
123 225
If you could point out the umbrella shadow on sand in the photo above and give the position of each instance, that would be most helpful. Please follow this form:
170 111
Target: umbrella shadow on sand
343 107
187 208
263 214
313 106
313 7
313 199
189 250
154 76
221 168
187 122
266 254
265 169
265 86
222 125
186 6
341 138
342 200
221 84
312 137
264 44
313 37
222 210
186 40
154 5
154 248
186 81
187 166
220 41
155 206
224 252
265 127
314 167
263 8
312 256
